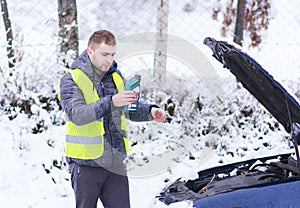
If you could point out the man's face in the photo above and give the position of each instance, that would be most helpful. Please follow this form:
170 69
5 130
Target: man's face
102 58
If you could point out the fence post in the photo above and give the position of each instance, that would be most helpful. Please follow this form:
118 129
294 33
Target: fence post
160 57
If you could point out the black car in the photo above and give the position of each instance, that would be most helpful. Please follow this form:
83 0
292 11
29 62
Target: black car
272 181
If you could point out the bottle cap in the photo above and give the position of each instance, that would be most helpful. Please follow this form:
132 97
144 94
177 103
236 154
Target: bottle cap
138 76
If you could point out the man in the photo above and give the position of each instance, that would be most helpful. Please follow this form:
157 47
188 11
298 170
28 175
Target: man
92 94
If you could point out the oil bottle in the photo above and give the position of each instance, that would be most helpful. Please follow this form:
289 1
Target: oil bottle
133 84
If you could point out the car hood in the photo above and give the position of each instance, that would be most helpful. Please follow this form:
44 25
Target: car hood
216 185
269 92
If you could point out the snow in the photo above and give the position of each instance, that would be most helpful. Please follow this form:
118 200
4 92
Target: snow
34 173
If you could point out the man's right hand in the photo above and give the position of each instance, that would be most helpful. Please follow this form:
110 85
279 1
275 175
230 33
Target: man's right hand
123 98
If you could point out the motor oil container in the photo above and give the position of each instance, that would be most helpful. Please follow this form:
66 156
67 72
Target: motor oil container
133 84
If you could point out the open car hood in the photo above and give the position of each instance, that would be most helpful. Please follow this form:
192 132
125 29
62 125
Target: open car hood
270 93
278 184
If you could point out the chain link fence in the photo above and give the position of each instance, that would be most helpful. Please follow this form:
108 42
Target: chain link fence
35 37
35 26
36 41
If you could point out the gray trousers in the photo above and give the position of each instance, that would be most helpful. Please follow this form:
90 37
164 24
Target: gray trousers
93 183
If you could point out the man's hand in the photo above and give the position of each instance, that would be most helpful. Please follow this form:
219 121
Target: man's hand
158 114
123 98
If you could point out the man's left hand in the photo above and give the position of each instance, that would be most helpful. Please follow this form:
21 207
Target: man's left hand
158 114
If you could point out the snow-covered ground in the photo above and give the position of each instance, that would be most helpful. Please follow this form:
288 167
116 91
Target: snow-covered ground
30 178
34 175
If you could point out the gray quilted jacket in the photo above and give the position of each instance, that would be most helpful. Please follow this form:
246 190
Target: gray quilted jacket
78 112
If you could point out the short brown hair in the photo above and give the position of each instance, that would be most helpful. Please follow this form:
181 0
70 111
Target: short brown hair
101 36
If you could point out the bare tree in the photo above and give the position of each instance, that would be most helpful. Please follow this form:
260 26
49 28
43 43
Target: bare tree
9 35
253 13
68 30
257 19
239 23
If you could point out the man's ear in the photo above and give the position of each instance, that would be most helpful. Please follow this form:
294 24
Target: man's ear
90 51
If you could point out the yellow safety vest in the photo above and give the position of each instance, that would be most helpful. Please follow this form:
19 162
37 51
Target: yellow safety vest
87 141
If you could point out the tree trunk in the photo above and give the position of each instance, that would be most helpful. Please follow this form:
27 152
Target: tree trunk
9 35
68 30
239 25
160 61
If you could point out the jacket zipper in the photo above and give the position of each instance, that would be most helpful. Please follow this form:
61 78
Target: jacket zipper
110 144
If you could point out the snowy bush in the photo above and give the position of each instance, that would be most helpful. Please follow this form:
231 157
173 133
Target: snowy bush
31 91
236 125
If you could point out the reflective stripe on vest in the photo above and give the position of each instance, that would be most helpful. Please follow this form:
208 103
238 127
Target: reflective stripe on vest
86 141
